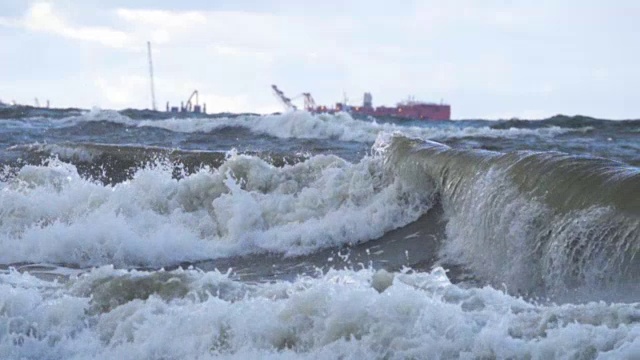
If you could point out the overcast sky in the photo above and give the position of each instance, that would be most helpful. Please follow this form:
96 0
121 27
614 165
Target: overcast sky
488 59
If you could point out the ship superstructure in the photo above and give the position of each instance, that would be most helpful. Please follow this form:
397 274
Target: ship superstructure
408 109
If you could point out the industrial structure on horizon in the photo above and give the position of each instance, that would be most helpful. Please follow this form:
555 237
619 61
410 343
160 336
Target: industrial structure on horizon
409 109
189 106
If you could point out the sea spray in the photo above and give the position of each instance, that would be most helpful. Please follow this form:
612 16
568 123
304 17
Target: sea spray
51 214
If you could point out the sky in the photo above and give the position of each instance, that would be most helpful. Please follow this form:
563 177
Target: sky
488 59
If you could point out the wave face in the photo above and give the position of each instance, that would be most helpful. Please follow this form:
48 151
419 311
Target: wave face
532 220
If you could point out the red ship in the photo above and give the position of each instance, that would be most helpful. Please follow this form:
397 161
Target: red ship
409 109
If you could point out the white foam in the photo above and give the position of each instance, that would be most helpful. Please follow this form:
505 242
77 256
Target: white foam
341 126
50 214
96 114
109 314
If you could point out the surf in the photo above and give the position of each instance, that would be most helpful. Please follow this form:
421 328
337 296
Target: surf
531 221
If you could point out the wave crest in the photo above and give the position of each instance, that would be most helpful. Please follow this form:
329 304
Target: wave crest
532 220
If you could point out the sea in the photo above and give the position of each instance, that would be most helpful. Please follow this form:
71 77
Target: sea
138 234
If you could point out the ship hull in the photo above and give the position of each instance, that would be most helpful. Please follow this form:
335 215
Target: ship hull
415 112
412 112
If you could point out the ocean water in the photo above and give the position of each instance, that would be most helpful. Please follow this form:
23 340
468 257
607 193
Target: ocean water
139 235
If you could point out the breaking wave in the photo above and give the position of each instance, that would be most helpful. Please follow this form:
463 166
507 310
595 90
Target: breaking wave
112 164
50 213
531 220
303 125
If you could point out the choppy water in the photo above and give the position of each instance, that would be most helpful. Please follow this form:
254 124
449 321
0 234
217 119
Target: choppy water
137 235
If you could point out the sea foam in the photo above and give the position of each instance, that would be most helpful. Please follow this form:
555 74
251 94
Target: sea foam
107 313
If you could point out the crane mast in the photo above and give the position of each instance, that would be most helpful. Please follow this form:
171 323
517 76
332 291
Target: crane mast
153 92
309 102
283 99
189 104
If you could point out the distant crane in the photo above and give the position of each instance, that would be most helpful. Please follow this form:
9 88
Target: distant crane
283 99
309 103
189 106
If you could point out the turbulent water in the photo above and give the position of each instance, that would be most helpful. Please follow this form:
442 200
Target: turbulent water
139 235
